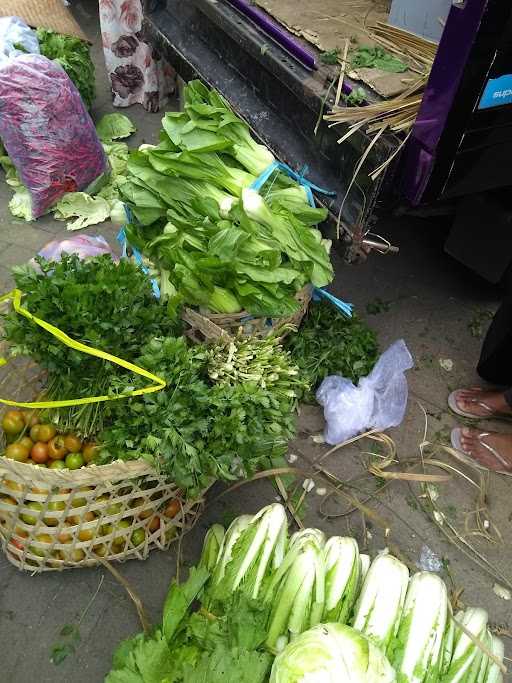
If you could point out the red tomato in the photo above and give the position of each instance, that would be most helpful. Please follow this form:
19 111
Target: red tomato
72 443
39 452
56 448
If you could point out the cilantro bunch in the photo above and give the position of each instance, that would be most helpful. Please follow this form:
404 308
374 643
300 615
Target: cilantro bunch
96 301
329 343
198 430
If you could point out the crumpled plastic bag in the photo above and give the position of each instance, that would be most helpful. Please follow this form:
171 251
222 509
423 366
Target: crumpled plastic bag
14 31
85 246
377 402
47 131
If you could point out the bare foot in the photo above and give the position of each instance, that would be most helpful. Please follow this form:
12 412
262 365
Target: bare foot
481 403
499 458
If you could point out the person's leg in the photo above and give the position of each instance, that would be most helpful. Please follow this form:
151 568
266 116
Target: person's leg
479 403
495 364
136 71
490 449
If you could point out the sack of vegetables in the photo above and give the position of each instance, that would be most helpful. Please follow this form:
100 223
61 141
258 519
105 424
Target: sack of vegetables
213 412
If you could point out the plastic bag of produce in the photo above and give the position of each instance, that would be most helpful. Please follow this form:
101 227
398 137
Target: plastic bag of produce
84 246
47 132
378 401
15 34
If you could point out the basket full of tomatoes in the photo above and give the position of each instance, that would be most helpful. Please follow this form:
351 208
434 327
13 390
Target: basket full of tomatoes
58 509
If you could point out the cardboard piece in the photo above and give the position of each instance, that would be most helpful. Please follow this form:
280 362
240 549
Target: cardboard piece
50 14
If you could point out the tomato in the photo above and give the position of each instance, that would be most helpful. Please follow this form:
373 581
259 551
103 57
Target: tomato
32 519
154 524
39 452
56 465
41 538
138 537
74 461
34 432
89 451
46 432
17 452
13 485
15 541
31 418
120 532
86 534
114 509
64 537
56 448
100 550
40 491
13 422
7 500
75 520
76 555
78 502
72 443
54 506
172 508
26 441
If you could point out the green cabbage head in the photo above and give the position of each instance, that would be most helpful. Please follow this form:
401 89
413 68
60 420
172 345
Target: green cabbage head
330 653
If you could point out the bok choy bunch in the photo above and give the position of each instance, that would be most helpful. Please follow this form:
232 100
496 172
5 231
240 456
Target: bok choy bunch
269 608
214 242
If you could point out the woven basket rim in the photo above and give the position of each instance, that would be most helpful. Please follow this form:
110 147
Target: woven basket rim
92 474
214 317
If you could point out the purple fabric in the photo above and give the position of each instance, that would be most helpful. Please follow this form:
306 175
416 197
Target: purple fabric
276 32
453 52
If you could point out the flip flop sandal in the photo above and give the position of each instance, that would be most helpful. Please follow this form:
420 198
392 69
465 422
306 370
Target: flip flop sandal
456 439
452 403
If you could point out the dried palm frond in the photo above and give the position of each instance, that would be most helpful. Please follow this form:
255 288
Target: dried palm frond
398 114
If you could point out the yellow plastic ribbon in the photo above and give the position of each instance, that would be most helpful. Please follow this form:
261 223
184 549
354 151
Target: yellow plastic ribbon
158 385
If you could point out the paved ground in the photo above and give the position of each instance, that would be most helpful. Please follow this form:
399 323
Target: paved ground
431 302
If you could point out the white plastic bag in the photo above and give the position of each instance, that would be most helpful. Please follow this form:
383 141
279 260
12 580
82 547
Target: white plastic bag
14 31
377 402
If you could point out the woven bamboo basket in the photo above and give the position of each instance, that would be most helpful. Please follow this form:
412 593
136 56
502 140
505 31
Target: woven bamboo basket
58 519
208 327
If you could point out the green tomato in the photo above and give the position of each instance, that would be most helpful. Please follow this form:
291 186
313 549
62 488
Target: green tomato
74 461
32 519
138 537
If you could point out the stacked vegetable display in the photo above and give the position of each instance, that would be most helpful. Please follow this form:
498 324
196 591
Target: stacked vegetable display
264 606
213 240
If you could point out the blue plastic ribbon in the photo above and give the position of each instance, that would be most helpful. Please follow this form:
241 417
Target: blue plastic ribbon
137 256
342 306
299 177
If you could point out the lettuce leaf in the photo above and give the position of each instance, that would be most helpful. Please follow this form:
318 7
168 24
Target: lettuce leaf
88 210
114 127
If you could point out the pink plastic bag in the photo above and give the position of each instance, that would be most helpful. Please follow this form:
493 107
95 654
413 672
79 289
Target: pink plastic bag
84 246
47 131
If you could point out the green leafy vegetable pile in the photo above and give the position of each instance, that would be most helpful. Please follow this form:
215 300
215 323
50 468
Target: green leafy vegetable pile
218 417
329 343
96 301
265 606
85 208
74 57
215 242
